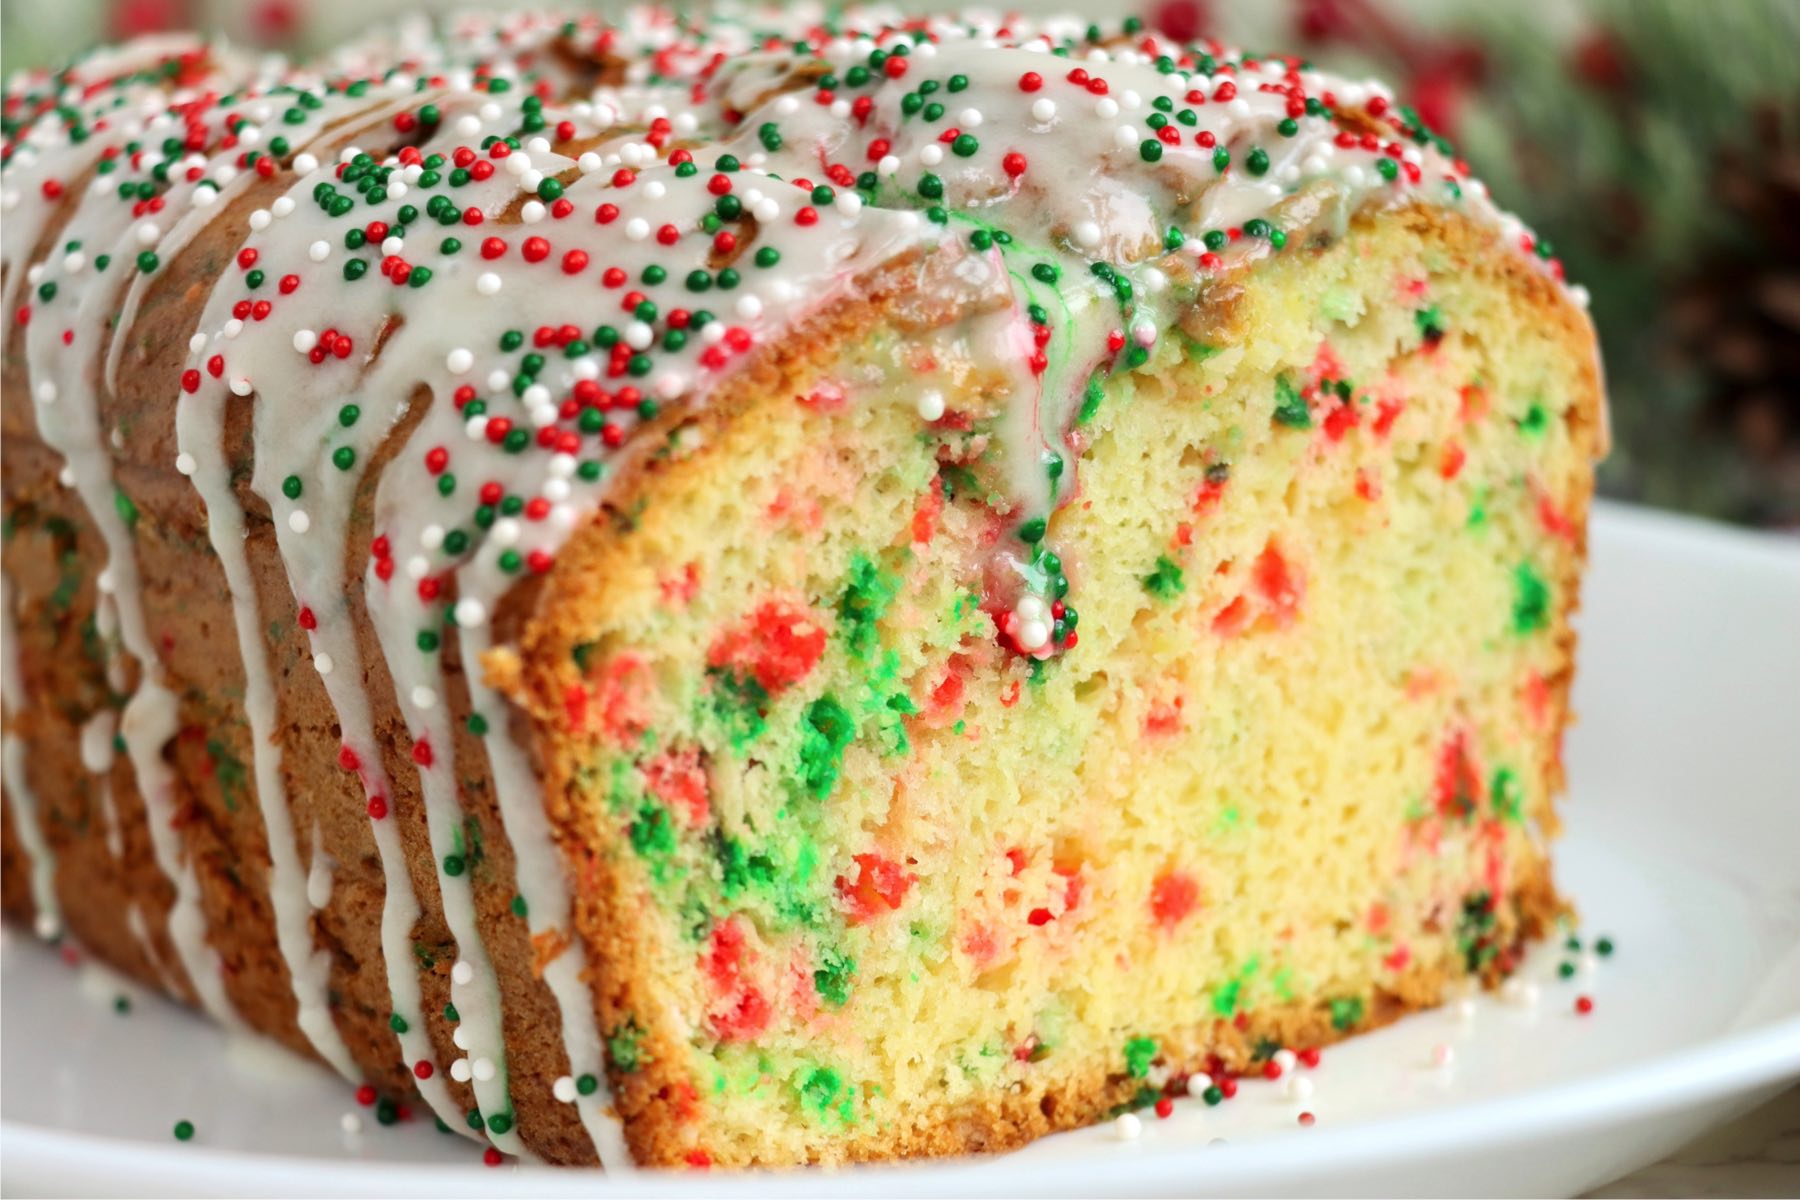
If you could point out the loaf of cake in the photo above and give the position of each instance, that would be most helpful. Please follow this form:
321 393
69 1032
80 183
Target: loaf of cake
779 589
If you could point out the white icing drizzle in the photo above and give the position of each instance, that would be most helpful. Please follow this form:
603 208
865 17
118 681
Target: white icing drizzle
1071 187
28 814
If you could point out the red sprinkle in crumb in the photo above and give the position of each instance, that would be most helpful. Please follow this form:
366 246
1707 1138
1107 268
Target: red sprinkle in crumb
778 644
1165 1108
1309 1057
879 888
1271 1069
1173 896
700 1160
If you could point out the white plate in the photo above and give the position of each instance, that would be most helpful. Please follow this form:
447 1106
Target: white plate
1683 829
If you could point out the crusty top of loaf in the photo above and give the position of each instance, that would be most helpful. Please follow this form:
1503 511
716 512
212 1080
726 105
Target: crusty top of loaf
557 225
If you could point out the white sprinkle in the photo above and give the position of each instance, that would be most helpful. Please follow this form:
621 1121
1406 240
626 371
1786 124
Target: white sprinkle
259 220
750 307
1127 1127
319 251
589 162
240 386
423 697
1464 1010
931 154
1198 1082
459 1037
654 190
46 926
46 392
1032 635
298 521
484 1069
1285 1059
1087 234
468 125
1298 1088
391 245
322 663
459 1070
459 360
147 233
462 973
1106 108
431 537
282 206
74 261
849 203
305 340
931 405
418 567
184 462
197 343
305 164
533 212
232 328
564 1089
488 283
1043 110
1521 992
637 229
470 613
888 165
506 530
1125 137
350 1123
475 428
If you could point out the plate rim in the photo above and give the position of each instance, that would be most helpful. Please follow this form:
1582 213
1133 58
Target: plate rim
1734 1063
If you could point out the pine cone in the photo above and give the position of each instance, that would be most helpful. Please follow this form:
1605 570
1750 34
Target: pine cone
1737 317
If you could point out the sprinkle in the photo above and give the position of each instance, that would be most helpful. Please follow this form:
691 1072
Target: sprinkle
298 521
564 1089
462 973
1127 1127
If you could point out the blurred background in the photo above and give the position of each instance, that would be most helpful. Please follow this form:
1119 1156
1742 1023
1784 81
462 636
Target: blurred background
1655 143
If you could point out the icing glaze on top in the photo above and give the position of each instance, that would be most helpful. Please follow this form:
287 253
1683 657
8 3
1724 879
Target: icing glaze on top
517 239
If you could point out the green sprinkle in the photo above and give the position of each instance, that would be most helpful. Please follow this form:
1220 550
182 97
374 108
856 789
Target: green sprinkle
1165 582
1531 600
184 1131
1150 150
1290 405
1139 1053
